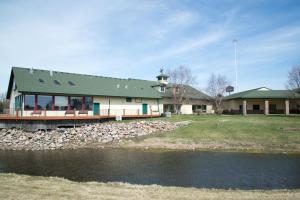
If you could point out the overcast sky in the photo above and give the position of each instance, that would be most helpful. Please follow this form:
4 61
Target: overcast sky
135 38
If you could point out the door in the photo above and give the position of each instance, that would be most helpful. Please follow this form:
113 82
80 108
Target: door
96 108
145 109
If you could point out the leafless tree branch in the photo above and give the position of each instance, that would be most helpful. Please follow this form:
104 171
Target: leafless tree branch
179 78
216 88
293 81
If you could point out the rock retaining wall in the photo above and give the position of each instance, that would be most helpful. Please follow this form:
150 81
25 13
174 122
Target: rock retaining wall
85 136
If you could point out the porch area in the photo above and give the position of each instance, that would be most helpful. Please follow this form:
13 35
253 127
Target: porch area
262 106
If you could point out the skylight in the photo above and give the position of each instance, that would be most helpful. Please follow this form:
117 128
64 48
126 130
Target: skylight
41 80
56 82
71 83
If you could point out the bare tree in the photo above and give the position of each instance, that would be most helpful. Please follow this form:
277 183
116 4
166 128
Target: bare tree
293 78
4 103
216 88
179 78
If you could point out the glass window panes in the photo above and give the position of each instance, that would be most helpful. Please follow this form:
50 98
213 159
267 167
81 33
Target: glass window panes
44 102
88 103
29 102
61 103
128 99
76 103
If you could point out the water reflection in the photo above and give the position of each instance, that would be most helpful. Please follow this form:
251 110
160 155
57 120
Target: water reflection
196 169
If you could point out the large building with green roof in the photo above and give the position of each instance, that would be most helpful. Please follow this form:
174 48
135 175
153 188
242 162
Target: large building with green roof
50 93
263 101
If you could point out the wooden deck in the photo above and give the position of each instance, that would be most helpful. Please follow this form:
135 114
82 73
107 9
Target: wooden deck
55 118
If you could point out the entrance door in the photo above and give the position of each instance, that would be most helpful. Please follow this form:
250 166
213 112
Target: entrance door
96 108
145 109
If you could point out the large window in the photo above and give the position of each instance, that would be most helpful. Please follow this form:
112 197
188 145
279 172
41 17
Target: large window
61 103
88 103
29 102
44 102
76 103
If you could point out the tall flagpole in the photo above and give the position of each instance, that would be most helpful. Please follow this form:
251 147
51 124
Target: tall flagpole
235 64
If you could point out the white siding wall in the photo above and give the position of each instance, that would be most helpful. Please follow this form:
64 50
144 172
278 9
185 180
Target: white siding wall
118 104
209 109
186 109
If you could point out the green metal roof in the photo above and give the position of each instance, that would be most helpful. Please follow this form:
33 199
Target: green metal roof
264 93
190 93
41 81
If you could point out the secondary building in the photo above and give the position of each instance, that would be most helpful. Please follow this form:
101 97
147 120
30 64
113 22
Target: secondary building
263 101
192 101
35 92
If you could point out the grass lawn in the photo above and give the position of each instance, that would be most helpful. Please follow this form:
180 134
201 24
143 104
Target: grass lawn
251 133
23 187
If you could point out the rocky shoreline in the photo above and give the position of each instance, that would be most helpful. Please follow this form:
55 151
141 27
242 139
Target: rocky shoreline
85 136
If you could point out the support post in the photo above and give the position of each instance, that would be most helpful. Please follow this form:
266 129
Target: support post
287 107
266 107
124 111
244 107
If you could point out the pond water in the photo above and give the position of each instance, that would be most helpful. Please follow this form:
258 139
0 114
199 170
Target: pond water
168 168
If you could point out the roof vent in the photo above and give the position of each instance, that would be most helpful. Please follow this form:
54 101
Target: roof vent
126 86
41 80
56 82
118 85
51 73
31 71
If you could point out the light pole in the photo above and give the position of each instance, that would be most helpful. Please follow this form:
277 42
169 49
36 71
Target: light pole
235 64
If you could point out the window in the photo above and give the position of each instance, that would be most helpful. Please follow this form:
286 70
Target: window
44 102
18 102
88 103
76 103
71 83
256 107
41 80
29 102
56 82
61 103
159 78
128 99
203 107
162 88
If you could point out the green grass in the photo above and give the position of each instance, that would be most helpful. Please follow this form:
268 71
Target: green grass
253 132
23 187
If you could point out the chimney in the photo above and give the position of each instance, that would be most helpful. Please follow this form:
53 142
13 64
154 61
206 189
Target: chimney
51 73
31 70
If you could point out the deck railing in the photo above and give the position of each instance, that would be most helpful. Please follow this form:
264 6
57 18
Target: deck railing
75 113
